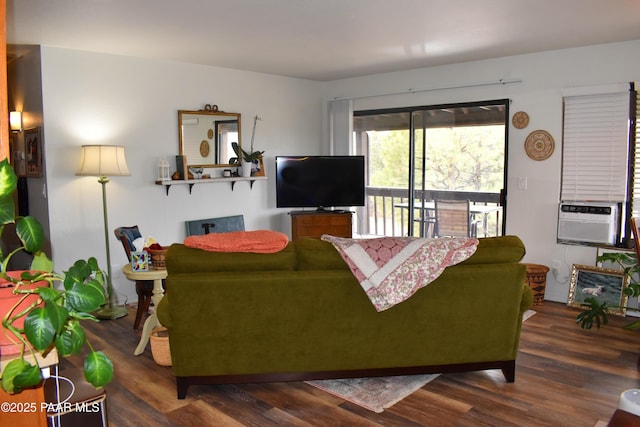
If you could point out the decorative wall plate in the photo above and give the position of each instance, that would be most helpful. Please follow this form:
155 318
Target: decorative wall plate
204 148
210 133
539 145
520 120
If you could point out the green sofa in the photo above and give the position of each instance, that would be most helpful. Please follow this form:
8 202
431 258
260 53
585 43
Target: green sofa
300 314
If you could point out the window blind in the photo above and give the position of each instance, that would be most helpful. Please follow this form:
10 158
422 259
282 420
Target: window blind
595 147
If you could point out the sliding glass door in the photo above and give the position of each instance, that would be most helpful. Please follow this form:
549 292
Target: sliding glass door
446 152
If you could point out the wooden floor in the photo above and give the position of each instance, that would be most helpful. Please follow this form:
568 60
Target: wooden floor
564 377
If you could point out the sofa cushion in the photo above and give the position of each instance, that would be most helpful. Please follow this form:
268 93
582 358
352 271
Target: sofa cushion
182 259
315 254
496 250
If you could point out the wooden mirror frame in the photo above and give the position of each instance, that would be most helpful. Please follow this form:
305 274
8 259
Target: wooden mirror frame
202 137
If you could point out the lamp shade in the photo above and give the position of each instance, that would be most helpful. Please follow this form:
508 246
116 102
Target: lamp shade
102 160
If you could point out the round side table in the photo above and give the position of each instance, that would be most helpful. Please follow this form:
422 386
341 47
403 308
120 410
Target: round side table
152 321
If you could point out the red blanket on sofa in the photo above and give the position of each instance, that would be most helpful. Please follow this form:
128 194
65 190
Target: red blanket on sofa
258 241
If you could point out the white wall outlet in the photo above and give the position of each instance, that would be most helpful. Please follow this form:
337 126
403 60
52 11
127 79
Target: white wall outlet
522 182
561 277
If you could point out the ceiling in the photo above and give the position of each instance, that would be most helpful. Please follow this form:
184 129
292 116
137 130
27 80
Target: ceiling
321 39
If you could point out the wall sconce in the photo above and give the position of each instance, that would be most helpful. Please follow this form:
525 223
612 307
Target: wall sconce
15 121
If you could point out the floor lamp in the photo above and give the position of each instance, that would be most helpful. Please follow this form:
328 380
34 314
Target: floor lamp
104 161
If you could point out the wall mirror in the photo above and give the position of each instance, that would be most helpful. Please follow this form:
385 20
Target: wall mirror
206 137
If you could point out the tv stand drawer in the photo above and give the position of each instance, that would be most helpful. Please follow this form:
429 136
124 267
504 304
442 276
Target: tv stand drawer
311 224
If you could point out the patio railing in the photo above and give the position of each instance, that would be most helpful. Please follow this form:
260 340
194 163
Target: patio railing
386 213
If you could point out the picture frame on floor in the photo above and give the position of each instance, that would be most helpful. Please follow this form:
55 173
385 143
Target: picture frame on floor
604 284
633 303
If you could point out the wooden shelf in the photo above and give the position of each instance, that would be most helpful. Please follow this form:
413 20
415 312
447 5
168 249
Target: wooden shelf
192 182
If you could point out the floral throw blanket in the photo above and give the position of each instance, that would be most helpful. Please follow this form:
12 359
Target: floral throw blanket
391 269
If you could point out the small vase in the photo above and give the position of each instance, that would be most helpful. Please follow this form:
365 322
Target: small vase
246 168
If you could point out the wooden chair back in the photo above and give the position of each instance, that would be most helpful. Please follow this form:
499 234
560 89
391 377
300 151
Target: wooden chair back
127 235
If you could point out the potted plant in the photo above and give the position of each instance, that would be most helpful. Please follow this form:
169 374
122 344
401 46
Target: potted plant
250 158
598 313
53 312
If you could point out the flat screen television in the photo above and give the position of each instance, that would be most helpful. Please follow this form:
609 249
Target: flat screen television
319 181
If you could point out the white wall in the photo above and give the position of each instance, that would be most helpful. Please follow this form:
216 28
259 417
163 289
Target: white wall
95 98
104 99
531 213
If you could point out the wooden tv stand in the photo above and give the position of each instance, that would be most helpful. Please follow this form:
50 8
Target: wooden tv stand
317 223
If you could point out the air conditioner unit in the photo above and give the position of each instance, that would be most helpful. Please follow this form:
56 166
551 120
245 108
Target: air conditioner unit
589 223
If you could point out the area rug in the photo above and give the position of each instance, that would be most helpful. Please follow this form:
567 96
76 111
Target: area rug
378 394
374 394
527 315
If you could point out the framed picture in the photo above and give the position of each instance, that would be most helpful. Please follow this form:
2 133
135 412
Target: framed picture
17 155
33 149
632 302
606 285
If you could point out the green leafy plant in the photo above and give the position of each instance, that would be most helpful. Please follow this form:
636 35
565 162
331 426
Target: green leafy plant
246 156
52 319
596 312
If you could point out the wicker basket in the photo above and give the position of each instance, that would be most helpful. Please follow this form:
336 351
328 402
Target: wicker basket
160 349
537 279
158 258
